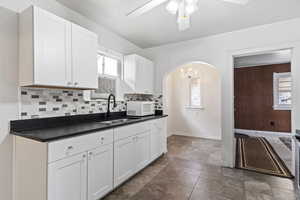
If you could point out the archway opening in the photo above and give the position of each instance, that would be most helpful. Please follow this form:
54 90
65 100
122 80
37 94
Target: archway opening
192 99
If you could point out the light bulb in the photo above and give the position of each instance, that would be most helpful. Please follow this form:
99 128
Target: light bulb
172 6
190 1
191 8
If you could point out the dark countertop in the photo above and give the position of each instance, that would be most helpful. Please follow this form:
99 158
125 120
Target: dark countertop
61 131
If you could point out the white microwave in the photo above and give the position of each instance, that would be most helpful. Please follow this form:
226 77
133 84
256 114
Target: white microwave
140 108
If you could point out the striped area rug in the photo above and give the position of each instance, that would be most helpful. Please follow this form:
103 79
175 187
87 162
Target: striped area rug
256 154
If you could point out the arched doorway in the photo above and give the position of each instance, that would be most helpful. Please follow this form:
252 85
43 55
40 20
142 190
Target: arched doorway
204 120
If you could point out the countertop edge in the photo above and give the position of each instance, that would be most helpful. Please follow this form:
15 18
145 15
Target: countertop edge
85 132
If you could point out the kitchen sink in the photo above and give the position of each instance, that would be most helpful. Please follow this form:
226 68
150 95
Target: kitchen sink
116 121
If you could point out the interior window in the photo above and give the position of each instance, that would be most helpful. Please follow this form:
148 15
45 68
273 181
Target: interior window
108 66
195 93
282 91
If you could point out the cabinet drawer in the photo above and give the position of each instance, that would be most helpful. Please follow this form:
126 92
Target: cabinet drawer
130 130
63 148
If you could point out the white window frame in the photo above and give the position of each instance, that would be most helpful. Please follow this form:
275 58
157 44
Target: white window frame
276 105
113 55
190 106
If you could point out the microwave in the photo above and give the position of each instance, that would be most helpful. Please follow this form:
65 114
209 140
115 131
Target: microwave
140 108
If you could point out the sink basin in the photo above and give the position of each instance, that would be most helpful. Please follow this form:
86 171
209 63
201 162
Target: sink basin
114 121
109 122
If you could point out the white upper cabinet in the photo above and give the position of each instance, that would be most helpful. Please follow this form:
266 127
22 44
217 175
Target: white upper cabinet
51 43
84 57
56 53
139 73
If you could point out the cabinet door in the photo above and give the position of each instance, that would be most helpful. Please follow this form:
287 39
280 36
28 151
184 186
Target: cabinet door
148 69
124 160
130 72
67 178
52 48
142 150
100 172
84 58
144 75
156 141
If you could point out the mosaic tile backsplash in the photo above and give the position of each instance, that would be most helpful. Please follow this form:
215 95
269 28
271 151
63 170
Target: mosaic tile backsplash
41 103
146 97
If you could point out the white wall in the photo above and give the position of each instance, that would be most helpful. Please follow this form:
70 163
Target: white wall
168 106
8 95
204 123
218 50
107 38
276 57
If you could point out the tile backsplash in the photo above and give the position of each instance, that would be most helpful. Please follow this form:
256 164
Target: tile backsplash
146 97
41 103
158 99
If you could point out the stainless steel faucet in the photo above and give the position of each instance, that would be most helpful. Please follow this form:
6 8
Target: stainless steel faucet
108 103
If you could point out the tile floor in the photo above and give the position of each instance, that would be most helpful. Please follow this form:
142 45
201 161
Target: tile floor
191 170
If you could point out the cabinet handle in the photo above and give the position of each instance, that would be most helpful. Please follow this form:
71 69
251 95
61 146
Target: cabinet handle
70 148
90 155
69 83
84 156
102 140
76 83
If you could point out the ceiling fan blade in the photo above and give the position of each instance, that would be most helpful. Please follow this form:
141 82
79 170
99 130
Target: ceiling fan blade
145 8
243 2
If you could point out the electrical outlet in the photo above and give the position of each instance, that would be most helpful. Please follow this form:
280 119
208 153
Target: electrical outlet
272 123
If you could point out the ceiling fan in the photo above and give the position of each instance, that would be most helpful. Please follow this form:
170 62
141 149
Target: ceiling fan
182 8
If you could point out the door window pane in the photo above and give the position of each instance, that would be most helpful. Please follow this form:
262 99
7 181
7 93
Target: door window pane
282 91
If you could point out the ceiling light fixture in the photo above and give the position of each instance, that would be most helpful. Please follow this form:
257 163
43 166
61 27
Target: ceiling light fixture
184 9
173 6
191 8
189 73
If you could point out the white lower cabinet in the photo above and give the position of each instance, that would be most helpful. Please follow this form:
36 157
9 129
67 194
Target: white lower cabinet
158 136
156 142
130 156
142 150
67 178
85 167
124 159
100 172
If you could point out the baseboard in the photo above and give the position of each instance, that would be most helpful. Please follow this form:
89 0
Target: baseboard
182 133
263 133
